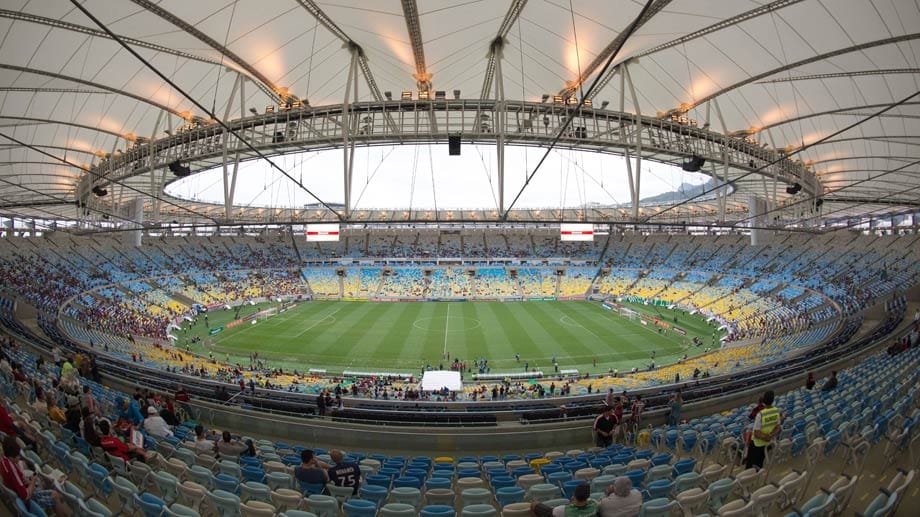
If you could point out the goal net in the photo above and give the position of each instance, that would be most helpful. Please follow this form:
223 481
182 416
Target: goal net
267 313
628 313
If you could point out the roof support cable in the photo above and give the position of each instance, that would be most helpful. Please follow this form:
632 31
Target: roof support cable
194 101
581 102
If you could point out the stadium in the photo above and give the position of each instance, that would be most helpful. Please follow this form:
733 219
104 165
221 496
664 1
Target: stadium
522 257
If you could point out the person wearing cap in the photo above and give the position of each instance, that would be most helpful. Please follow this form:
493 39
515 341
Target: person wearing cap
622 500
128 409
581 505
155 425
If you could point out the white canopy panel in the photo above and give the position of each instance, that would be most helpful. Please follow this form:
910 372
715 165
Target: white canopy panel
784 73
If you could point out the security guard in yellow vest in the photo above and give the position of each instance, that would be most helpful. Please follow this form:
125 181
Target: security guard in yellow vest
766 427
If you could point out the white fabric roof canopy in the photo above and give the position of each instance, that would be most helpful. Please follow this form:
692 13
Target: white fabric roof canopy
71 92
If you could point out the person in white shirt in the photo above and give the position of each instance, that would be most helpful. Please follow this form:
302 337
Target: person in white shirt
155 425
622 499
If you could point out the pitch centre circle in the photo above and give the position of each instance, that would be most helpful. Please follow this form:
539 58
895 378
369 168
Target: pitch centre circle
452 324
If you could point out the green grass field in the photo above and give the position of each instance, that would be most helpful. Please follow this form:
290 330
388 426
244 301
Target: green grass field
404 337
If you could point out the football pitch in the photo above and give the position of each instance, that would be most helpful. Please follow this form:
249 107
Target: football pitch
403 337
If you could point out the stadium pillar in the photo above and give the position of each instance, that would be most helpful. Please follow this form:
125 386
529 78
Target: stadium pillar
635 181
497 46
756 210
228 195
137 218
349 144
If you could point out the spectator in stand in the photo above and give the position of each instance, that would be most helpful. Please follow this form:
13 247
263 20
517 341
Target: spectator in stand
674 406
54 412
810 381
73 415
622 500
609 398
344 473
116 447
203 445
88 428
27 488
89 401
155 425
831 383
168 412
638 406
228 447
603 427
766 427
311 471
128 409
10 428
580 505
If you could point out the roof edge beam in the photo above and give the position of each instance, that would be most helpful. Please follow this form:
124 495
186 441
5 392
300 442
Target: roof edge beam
274 91
728 22
139 98
617 42
511 16
807 61
414 27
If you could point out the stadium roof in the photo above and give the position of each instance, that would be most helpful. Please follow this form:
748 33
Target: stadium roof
835 84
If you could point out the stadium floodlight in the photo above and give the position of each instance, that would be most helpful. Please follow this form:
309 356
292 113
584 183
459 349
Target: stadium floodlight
456 94
605 104
269 109
388 94
407 96
557 99
545 97
253 111
423 95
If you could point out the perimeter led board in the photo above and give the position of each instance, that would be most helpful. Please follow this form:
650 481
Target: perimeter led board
322 233
576 232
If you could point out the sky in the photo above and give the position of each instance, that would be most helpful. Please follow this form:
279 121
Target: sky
424 177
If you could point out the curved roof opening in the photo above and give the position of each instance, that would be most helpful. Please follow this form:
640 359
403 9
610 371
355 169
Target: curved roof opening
425 177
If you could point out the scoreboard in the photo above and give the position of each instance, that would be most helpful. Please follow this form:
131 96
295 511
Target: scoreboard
576 232
322 233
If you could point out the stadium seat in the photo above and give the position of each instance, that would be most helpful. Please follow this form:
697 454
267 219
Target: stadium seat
257 509
150 505
478 510
439 496
406 495
437 510
323 505
397 510
360 508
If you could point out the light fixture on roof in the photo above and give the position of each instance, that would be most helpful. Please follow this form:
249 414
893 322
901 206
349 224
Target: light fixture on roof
589 103
544 98
440 95
423 95
572 100
253 111
388 94
605 104
456 94
407 96
269 109
557 99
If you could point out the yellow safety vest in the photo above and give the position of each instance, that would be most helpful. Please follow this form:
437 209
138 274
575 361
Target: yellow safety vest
769 418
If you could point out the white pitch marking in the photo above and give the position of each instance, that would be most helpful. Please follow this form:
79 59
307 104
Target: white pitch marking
324 318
